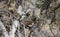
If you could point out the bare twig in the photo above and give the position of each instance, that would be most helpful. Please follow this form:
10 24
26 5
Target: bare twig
4 29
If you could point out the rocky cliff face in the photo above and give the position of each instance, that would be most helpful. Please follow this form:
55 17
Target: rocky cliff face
29 18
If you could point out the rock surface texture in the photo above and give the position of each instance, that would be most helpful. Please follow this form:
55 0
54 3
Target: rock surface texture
29 18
